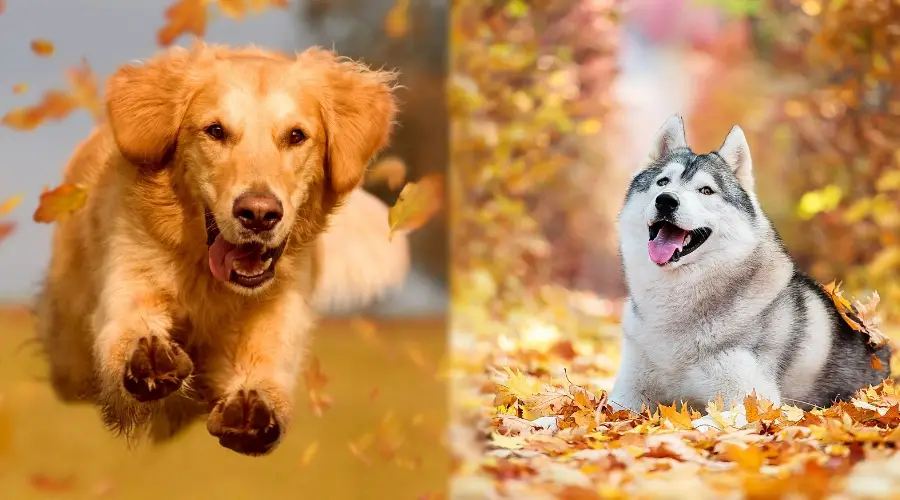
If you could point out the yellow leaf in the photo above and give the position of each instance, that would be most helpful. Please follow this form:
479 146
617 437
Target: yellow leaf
520 385
59 203
417 203
792 413
396 23
309 453
42 47
390 170
11 203
508 442
20 88
681 420
235 9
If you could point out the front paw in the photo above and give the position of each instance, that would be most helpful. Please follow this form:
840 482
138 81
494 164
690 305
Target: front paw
245 422
156 369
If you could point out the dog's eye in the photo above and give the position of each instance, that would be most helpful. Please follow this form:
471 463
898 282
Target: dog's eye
297 136
215 131
706 190
663 181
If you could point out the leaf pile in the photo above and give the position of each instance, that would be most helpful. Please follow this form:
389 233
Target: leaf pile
532 420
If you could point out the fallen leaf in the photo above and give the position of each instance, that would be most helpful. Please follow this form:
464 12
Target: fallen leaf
390 170
57 204
183 16
20 88
417 203
861 317
309 453
42 47
876 363
680 419
396 23
6 229
11 203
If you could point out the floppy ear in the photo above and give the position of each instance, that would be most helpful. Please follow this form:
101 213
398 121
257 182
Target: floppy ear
671 136
358 111
736 153
145 105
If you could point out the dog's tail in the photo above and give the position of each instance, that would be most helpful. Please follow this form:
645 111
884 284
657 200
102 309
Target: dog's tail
357 263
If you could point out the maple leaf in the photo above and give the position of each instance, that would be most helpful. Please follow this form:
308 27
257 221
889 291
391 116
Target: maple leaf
417 203
42 47
59 203
520 385
183 16
861 317
390 170
680 419
20 88
315 382
396 22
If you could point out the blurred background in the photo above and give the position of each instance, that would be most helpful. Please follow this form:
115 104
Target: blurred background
380 435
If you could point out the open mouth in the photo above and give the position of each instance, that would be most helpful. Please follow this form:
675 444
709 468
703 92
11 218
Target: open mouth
669 243
248 265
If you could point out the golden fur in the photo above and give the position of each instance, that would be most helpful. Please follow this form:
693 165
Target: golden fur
130 315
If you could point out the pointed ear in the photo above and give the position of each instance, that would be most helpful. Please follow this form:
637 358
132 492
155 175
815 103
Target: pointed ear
736 153
671 136
358 111
145 105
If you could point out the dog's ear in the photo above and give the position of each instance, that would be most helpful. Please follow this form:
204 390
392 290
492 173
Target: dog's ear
671 136
145 105
358 111
736 153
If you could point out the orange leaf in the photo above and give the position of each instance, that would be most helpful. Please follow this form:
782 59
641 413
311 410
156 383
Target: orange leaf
681 420
751 405
85 89
20 88
55 105
6 229
235 9
2 6
11 203
876 363
315 382
183 16
42 47
417 203
59 203
259 5
396 23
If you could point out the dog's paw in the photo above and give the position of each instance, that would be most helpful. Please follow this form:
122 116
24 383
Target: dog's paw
245 422
156 369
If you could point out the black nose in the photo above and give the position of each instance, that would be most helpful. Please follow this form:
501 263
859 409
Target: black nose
666 203
258 211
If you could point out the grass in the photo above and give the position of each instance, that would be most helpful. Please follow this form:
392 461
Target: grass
52 450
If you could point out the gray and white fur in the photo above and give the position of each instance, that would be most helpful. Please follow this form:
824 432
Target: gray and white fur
730 313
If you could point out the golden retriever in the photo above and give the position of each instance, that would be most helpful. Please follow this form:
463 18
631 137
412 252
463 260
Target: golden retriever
187 284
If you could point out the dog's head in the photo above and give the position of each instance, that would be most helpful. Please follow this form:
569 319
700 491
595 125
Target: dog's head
265 145
687 210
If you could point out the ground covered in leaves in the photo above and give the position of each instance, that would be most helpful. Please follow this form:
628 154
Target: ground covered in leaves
532 421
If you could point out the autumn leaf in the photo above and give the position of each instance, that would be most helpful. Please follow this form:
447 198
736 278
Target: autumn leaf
85 89
57 204
235 9
6 229
315 383
309 453
2 6
396 23
876 363
390 170
680 419
417 203
42 47
10 204
56 105
183 16
50 484
861 317
20 88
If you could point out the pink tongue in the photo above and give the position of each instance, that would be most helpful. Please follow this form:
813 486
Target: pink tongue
669 239
222 255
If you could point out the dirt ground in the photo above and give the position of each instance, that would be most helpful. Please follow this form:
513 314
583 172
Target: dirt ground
52 450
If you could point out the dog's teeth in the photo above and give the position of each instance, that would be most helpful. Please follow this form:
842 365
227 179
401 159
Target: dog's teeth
687 240
267 263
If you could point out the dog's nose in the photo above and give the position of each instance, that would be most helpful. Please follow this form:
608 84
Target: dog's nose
258 211
666 203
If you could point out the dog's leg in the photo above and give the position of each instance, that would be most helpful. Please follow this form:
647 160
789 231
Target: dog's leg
627 393
254 382
137 360
735 374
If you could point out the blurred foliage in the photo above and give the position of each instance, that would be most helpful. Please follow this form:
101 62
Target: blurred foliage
529 86
842 131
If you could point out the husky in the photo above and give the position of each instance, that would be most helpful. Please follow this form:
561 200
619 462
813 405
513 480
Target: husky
716 305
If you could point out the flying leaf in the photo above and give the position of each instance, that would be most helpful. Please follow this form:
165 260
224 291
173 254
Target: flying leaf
2 6
20 88
235 9
6 229
417 203
260 5
56 105
309 453
11 203
183 16
315 382
84 89
861 317
390 170
50 484
396 23
59 203
42 47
